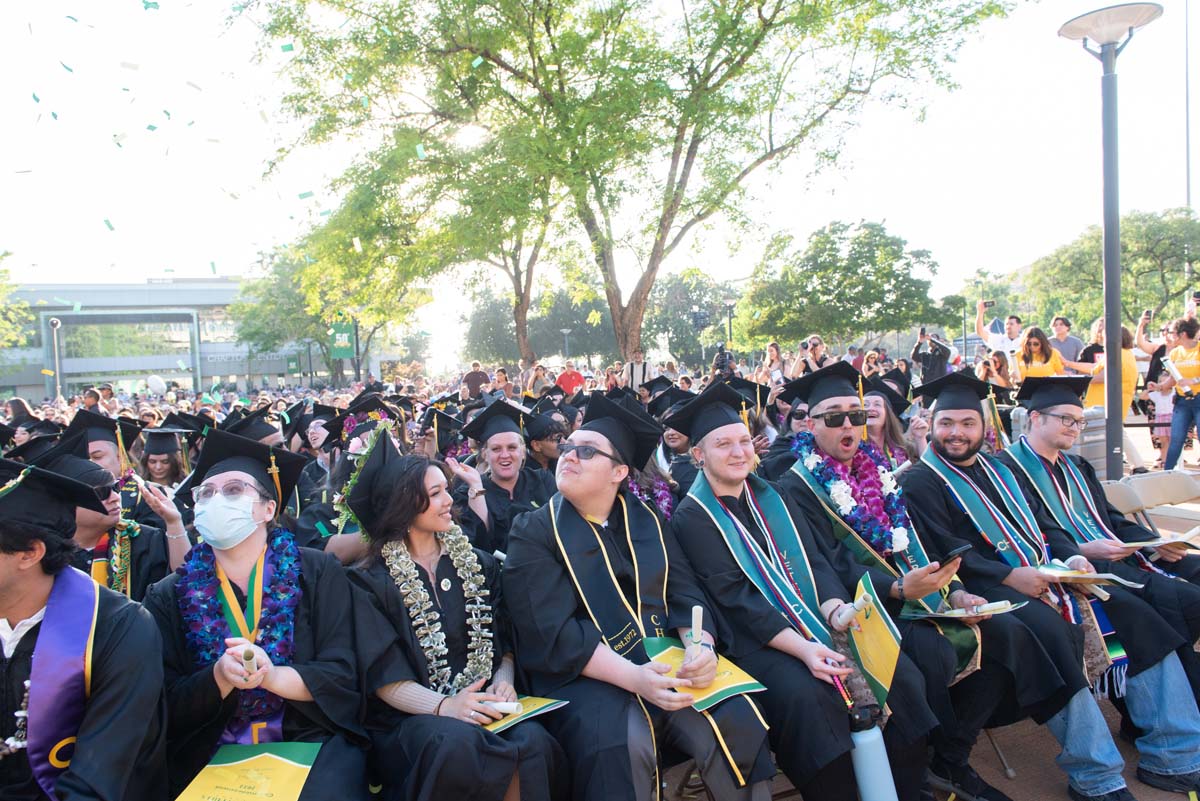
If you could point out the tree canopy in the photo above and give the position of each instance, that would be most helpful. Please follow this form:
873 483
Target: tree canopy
14 314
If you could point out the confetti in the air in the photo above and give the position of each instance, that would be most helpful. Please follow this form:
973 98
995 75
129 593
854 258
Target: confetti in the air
109 224
357 245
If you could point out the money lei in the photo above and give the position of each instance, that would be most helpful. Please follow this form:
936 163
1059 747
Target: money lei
427 622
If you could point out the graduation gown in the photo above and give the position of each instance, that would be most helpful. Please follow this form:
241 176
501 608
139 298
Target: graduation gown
555 637
312 485
1165 610
1042 650
778 458
120 755
533 489
135 508
148 560
809 724
683 472
426 757
323 655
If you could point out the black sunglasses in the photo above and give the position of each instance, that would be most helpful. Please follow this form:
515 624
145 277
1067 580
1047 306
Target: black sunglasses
800 414
584 452
858 417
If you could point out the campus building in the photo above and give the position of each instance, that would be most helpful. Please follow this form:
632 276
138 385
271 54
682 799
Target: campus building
175 328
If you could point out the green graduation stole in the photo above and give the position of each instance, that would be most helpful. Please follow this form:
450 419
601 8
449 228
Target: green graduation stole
963 637
738 725
782 573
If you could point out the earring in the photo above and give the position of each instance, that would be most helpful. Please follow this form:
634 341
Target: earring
702 463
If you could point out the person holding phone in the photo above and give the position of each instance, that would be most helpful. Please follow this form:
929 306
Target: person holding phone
773 367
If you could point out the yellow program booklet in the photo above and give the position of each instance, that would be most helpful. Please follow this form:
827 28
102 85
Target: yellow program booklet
875 645
731 680
530 707
275 771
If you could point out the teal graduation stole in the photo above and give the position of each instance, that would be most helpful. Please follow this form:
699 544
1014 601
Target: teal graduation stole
782 573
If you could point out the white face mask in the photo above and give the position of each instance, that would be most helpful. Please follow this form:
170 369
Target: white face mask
226 522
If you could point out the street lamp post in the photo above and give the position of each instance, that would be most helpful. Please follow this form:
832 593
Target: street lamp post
729 304
56 324
566 343
1111 28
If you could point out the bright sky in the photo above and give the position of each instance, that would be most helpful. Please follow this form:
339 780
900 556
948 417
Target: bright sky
1000 172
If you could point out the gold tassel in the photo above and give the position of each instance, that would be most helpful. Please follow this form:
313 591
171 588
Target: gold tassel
274 471
745 415
861 406
122 456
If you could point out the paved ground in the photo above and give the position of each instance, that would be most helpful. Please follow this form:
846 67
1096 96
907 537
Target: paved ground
1029 748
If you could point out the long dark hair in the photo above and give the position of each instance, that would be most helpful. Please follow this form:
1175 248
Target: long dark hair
1027 352
407 502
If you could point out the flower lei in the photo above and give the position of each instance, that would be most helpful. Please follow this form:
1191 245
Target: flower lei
659 495
354 420
867 495
18 740
341 502
427 622
204 621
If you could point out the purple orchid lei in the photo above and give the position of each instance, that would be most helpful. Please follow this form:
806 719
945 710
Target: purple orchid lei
197 593
875 511
662 497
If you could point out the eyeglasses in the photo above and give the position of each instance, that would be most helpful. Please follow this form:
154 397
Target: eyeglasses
800 414
105 491
584 452
1067 421
858 417
230 489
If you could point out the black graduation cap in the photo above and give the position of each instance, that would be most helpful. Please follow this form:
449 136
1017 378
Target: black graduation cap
201 424
82 469
898 402
36 426
497 418
657 384
378 472
444 425
579 399
360 417
232 416
449 396
836 380
74 443
1058 390
555 391
539 426
633 433
754 393
43 499
295 420
104 429
34 447
901 379
525 400
954 391
224 452
673 396
545 405
255 425
617 392
6 434
718 405
322 412
162 441
568 411
403 404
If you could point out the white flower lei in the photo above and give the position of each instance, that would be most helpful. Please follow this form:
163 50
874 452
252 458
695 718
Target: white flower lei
426 621
841 494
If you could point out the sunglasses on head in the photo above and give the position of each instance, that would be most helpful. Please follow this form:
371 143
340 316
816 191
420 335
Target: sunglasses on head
584 452
858 417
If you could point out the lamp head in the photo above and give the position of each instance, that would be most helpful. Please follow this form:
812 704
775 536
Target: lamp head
1110 25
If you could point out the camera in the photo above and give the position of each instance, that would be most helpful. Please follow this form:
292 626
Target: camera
804 345
723 364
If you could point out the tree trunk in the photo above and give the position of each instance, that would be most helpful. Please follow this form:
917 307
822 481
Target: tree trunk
521 321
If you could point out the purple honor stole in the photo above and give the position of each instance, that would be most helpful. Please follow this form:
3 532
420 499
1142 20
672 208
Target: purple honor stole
61 678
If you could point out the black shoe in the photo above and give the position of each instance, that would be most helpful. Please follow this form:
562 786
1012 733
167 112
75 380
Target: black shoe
1183 783
963 781
1117 795
1137 471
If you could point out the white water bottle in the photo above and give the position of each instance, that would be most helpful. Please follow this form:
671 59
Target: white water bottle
872 770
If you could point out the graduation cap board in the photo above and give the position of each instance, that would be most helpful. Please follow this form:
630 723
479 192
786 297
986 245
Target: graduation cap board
837 380
255 425
120 431
657 384
673 396
31 449
74 443
360 418
498 418
717 406
275 469
1061 390
955 392
900 378
443 426
633 433
899 403
756 394
44 499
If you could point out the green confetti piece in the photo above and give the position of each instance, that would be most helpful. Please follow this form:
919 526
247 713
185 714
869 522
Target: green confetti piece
147 5
54 114
213 266
386 30
366 102
309 259
168 269
167 113
305 195
65 67
757 314
324 531
73 19
287 48
420 151
63 302
182 366
478 60
109 224
326 212
76 306
36 99
151 127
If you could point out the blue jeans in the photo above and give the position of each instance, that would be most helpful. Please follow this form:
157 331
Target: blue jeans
1161 703
1088 757
1185 415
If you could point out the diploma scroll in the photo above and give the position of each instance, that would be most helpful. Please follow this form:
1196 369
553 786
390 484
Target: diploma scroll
529 707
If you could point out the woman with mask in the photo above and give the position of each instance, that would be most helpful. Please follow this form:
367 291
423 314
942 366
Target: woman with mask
248 590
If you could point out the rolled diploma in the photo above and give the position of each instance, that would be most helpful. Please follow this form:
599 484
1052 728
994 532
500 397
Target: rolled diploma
987 609
697 623
248 661
1178 376
505 707
848 612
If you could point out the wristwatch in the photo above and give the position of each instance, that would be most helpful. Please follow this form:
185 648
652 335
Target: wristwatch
473 493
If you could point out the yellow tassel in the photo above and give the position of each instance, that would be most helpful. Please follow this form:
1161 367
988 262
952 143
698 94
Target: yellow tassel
745 415
122 456
274 471
861 406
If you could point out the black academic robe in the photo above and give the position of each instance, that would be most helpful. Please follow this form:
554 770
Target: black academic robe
135 508
148 560
555 637
1050 672
323 656
778 459
311 487
120 754
533 489
315 525
426 757
683 472
1146 620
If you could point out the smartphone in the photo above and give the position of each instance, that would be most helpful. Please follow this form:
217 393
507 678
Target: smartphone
987 304
777 376
1196 295
1148 313
922 330
957 552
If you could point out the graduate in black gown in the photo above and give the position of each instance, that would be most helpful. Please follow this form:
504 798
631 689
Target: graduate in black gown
489 497
779 457
786 651
673 454
247 586
426 705
588 578
74 656
956 495
109 440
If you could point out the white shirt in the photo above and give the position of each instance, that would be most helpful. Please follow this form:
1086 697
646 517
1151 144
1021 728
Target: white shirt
10 638
1002 342
638 374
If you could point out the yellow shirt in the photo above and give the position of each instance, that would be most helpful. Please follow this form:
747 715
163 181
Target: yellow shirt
1038 369
1187 362
1129 378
